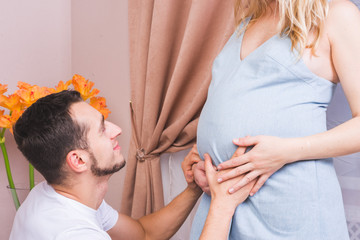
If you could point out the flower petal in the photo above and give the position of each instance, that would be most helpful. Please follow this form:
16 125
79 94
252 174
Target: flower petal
62 86
5 121
99 103
11 102
23 85
84 86
3 88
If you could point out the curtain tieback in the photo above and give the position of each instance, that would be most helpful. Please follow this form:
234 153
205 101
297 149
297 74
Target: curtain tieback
141 156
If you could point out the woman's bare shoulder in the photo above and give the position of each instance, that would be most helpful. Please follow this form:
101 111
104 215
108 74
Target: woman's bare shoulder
343 15
343 10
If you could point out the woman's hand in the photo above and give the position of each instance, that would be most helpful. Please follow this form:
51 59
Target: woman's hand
223 204
219 191
200 175
267 156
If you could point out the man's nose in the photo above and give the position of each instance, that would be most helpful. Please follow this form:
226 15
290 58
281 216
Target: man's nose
115 130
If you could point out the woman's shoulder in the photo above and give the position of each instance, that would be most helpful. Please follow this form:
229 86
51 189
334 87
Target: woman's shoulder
343 15
342 10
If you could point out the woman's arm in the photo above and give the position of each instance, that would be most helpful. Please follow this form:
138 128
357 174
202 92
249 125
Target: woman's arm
271 153
222 205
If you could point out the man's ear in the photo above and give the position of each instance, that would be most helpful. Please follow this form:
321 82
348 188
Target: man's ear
77 161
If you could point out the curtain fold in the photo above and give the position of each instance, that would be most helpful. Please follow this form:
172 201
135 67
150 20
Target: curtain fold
172 46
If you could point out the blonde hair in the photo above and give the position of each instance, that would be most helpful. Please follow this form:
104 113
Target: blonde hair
298 18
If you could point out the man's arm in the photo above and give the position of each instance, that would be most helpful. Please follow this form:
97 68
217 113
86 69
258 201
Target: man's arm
170 218
165 222
161 224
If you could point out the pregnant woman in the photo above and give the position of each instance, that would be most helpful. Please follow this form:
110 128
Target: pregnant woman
271 85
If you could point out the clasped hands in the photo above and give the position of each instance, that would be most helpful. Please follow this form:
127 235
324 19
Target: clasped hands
252 168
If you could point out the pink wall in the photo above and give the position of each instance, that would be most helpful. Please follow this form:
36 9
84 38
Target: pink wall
42 42
100 52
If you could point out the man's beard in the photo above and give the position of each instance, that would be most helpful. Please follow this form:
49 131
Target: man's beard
100 172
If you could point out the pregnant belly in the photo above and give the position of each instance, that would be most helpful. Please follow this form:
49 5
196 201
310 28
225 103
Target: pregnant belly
220 123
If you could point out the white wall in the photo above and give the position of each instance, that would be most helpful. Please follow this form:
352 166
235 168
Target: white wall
43 42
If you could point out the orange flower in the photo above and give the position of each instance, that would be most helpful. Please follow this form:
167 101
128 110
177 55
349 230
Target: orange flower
23 85
84 86
11 102
27 94
30 94
99 103
62 86
5 120
15 115
3 88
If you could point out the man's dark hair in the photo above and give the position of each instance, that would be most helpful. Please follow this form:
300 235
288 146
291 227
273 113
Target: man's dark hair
46 133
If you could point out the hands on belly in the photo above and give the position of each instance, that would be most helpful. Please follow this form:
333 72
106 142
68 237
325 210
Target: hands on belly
194 171
268 155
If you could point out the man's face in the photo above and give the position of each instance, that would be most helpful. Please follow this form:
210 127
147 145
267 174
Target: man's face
104 150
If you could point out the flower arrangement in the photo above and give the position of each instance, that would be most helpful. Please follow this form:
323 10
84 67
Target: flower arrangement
24 97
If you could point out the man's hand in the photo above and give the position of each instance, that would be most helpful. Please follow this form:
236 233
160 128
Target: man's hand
191 158
200 177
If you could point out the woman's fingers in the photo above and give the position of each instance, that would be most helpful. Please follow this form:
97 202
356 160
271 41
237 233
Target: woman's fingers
210 174
259 183
244 181
208 166
246 141
234 162
235 172
239 151
239 157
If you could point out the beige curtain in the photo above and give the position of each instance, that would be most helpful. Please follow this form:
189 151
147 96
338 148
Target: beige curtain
172 46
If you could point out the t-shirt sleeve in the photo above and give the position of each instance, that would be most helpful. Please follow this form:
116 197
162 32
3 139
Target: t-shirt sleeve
82 233
107 216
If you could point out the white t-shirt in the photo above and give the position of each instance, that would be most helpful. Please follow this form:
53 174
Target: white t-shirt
45 215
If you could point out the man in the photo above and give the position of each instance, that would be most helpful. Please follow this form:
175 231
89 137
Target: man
76 151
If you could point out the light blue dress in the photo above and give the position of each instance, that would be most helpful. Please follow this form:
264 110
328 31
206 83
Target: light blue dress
272 92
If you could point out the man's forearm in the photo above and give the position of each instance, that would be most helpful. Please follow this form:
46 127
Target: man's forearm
165 222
